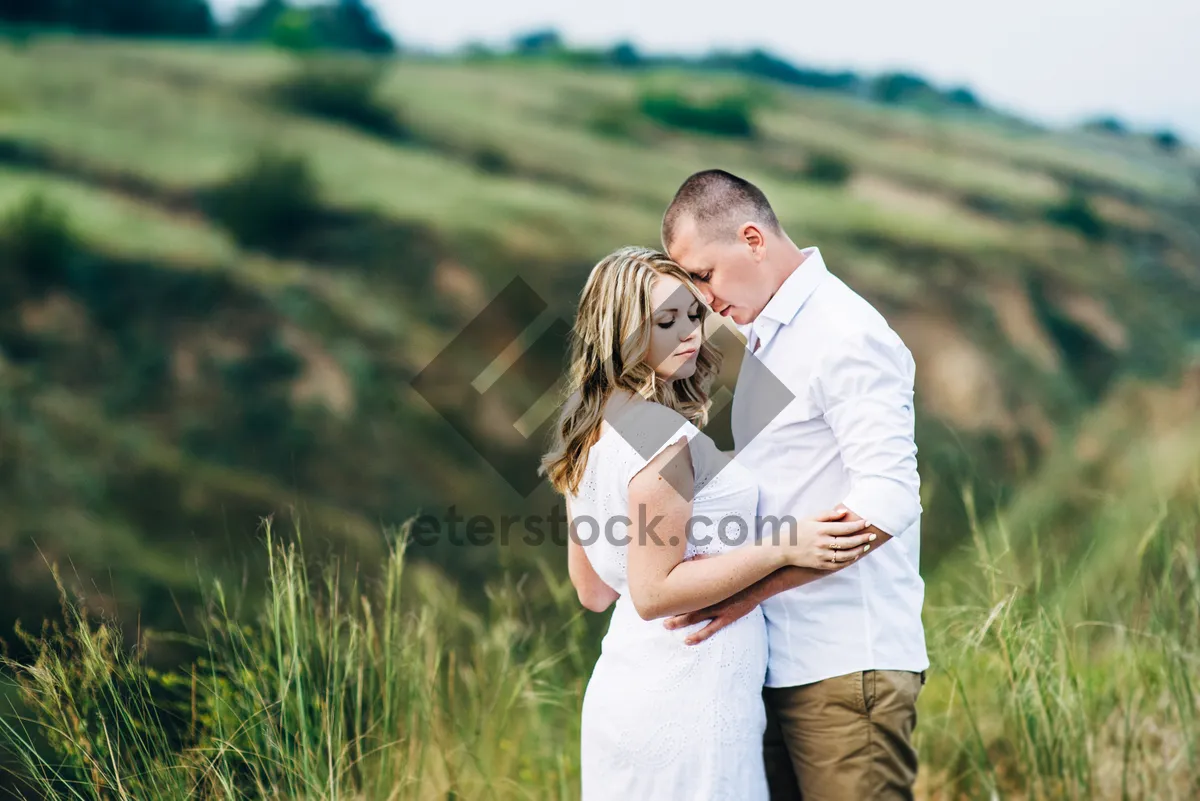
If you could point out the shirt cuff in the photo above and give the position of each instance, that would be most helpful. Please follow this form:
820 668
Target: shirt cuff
888 505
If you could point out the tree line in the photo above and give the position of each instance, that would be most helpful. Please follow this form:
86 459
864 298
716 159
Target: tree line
336 24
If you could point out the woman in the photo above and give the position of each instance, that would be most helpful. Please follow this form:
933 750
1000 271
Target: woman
661 719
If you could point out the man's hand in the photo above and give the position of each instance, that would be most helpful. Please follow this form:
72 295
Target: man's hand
827 541
880 535
737 606
719 615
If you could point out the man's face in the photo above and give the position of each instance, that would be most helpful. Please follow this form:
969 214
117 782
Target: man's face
730 273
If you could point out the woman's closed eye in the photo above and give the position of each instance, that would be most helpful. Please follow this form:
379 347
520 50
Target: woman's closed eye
669 324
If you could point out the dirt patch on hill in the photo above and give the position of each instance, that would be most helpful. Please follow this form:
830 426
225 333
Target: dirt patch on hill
55 314
192 352
460 286
885 192
1091 315
322 379
1019 321
955 379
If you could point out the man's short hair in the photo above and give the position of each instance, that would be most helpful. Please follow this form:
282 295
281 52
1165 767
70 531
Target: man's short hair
718 202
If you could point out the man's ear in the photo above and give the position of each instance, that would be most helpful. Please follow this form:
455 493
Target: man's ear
752 235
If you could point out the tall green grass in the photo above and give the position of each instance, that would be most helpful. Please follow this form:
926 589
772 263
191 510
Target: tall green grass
339 687
1037 695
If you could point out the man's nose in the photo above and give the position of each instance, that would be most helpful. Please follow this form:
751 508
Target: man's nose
708 295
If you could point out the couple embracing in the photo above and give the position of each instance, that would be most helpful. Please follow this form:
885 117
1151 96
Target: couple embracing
785 664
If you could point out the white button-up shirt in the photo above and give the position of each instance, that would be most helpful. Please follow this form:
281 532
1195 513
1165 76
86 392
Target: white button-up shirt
846 437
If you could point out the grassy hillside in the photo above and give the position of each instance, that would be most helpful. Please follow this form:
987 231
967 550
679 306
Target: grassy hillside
218 277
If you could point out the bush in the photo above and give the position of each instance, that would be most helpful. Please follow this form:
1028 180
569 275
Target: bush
761 64
538 43
1167 141
1107 124
898 87
729 115
36 241
340 25
174 18
828 168
624 55
614 119
491 160
962 96
268 201
343 91
1076 213
293 31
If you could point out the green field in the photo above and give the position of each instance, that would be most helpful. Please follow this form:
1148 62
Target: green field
167 380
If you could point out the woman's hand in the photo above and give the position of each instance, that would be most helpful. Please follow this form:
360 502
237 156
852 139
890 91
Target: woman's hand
825 542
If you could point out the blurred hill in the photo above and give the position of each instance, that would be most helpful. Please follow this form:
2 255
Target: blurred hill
222 266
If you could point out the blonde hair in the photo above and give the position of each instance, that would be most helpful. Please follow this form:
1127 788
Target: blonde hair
609 345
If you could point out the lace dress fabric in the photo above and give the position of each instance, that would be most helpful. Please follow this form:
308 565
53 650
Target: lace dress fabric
661 719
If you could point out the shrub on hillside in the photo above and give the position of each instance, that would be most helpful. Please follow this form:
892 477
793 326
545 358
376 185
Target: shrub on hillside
1167 140
268 201
174 18
329 25
1107 124
1077 213
538 43
492 160
962 96
293 31
615 119
624 55
36 242
898 87
828 168
729 115
762 64
343 91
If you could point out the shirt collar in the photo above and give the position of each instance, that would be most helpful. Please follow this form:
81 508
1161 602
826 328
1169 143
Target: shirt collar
797 289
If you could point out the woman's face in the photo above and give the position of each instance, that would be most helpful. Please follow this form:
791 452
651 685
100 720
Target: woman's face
675 331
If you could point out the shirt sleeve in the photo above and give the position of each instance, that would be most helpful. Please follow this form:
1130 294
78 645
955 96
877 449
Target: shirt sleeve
864 387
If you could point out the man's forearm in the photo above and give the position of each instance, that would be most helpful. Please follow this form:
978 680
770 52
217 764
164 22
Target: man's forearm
788 578
782 580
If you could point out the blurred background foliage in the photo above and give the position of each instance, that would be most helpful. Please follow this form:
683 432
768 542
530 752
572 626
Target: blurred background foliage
227 249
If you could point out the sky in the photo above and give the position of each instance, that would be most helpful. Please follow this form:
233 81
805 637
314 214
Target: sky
1056 61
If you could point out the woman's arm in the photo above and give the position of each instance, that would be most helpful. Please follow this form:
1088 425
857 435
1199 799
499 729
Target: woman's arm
661 583
594 594
738 605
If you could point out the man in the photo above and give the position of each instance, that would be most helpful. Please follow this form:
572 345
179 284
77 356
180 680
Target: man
847 649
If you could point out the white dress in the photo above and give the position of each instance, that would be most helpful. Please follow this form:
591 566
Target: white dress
661 719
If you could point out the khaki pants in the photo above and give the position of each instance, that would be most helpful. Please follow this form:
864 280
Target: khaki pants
843 739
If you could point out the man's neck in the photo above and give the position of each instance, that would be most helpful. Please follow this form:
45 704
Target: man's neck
789 259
